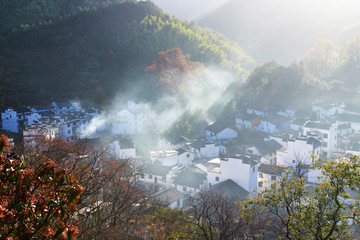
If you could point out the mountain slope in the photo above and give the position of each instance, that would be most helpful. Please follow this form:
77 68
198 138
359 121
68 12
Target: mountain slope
99 50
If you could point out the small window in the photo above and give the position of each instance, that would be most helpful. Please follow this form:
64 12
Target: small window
84 122
217 179
325 135
184 189
69 131
293 161
261 175
68 125
253 169
188 155
74 123
273 177
142 176
150 176
260 184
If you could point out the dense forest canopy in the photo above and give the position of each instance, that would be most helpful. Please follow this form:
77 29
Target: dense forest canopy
98 47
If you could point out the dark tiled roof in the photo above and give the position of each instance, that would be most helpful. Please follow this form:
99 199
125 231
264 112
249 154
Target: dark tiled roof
182 150
348 118
269 169
275 119
229 188
156 169
318 125
190 179
217 127
299 121
168 195
269 146
174 140
198 144
47 113
313 141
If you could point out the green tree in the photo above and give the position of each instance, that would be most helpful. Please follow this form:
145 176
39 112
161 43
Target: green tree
320 211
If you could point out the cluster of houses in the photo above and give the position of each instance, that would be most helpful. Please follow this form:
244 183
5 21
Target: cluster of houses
219 161
181 167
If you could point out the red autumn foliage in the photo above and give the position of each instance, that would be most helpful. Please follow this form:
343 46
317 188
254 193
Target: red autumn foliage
36 203
170 67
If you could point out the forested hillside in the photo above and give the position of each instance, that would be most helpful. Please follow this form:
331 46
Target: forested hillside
53 49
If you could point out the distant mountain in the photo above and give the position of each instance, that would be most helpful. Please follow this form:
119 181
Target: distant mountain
93 48
284 30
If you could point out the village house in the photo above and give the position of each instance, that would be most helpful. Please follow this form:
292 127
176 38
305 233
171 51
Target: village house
185 157
123 148
354 121
204 150
267 149
324 109
245 120
242 170
190 182
324 132
219 131
165 157
170 197
155 176
229 188
176 142
267 175
257 110
272 123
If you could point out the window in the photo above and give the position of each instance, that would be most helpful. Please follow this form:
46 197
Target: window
324 144
253 169
150 176
69 131
209 184
217 179
249 151
260 184
74 123
188 155
68 125
142 176
261 175
293 161
84 122
273 177
325 135
184 189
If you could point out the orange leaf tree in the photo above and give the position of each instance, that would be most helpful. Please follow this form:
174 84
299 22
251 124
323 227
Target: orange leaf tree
36 202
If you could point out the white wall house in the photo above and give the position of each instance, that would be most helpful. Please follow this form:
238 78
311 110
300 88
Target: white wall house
34 135
171 197
189 182
123 148
299 150
267 149
185 157
273 123
326 133
242 170
9 120
155 176
327 109
166 157
354 121
176 142
219 131
204 150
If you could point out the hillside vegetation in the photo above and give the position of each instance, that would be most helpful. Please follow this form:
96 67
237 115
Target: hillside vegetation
92 49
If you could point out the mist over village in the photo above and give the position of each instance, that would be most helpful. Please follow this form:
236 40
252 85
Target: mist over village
217 119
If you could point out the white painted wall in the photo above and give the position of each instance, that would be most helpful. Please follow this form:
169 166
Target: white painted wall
185 159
